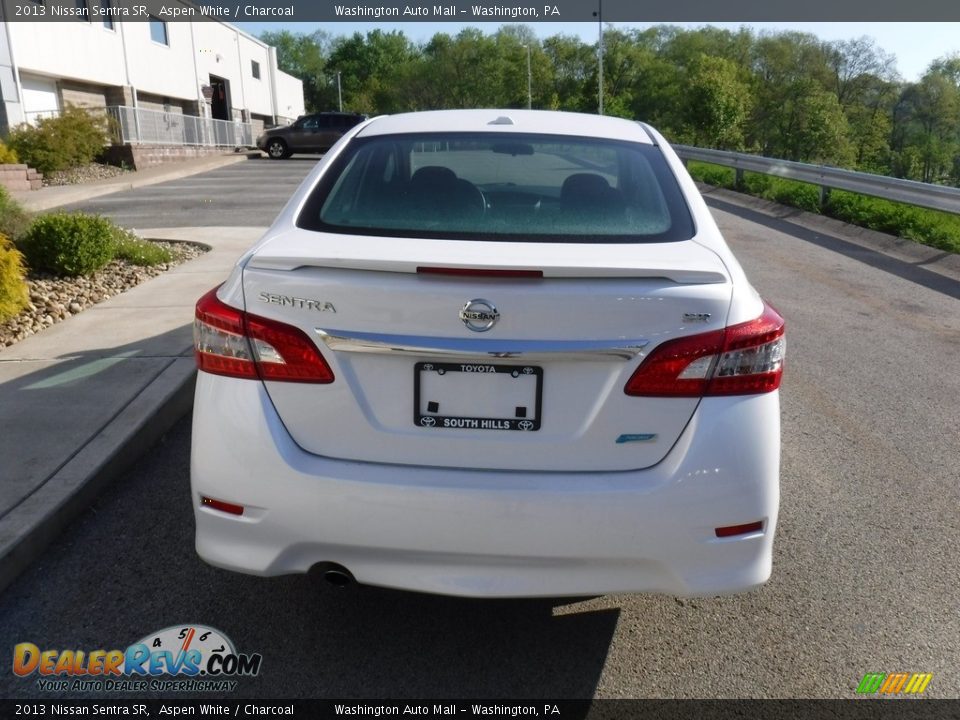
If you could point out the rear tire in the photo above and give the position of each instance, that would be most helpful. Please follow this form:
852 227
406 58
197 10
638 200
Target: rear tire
277 149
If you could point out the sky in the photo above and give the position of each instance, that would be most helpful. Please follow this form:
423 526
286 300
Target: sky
915 45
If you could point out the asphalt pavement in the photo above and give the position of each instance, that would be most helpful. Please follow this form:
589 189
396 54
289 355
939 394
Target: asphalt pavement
247 194
866 564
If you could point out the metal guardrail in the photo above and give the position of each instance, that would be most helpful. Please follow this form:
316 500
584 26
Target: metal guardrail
926 195
139 126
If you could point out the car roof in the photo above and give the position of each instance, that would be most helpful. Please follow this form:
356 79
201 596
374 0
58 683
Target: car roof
544 122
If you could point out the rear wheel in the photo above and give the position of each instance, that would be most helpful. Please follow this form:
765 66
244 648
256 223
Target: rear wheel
277 149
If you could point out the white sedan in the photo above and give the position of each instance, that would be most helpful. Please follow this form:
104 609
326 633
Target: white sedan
492 353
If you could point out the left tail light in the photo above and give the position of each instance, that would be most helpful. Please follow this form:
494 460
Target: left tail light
237 344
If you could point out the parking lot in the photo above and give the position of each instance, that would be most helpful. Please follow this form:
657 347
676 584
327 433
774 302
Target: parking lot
249 193
866 565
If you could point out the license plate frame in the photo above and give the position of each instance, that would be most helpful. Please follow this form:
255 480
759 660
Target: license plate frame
436 420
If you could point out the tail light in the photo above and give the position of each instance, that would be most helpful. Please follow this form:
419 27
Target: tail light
742 359
237 344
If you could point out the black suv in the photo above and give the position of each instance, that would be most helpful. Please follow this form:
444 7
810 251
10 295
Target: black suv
310 133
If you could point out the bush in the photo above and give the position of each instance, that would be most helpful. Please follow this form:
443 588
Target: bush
14 220
931 227
74 138
129 247
7 155
69 244
787 192
715 175
13 288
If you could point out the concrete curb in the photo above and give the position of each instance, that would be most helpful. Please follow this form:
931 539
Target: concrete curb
27 531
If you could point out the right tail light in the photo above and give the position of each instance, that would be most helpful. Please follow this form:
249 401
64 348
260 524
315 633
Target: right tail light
743 359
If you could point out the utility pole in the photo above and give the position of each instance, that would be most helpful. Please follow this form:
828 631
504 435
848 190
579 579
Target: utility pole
529 81
340 94
600 59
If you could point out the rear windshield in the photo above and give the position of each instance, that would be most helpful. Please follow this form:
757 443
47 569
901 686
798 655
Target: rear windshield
500 187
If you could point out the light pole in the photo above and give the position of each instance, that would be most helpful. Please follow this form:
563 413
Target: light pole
529 81
340 94
600 60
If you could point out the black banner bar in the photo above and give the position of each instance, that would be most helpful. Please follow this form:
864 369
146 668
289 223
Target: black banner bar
860 709
482 11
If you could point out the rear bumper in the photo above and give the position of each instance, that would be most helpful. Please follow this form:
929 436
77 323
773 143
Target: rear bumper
489 533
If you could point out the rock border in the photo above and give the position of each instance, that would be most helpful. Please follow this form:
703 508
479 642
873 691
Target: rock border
54 299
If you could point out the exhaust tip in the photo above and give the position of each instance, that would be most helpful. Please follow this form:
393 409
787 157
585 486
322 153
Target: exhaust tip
338 578
334 574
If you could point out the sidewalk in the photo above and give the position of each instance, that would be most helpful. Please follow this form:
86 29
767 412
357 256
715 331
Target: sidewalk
82 400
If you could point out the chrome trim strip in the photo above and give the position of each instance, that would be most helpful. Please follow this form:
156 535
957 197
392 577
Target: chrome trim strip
475 348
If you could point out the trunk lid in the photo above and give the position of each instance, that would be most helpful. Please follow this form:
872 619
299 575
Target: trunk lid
415 385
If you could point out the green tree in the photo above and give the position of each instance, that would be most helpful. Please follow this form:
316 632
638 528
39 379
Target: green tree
717 103
574 65
796 114
786 94
303 57
465 71
371 69
513 42
926 122
864 80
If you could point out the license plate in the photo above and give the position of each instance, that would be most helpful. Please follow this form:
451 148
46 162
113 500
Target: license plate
477 396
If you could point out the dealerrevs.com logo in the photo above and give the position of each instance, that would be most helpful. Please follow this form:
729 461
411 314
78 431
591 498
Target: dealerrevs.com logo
181 658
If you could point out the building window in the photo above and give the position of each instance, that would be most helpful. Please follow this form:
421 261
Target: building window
158 31
255 69
107 7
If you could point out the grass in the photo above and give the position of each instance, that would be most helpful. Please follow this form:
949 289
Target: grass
930 227
129 247
14 220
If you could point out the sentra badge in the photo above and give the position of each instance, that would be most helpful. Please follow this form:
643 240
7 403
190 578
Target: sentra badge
297 302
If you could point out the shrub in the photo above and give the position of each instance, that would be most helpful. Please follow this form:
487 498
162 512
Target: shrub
73 138
129 247
69 244
7 155
787 192
14 220
13 288
715 175
931 227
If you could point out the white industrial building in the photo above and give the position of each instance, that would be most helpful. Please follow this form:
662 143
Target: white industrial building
207 69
